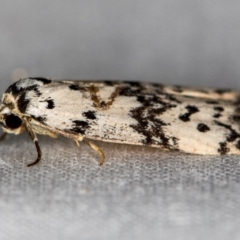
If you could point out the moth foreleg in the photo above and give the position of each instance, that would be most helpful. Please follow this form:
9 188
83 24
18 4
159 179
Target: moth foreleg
39 154
96 148
33 136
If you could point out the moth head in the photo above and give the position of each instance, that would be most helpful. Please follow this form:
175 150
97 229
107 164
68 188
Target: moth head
10 120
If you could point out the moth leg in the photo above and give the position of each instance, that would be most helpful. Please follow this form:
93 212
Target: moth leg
3 136
33 136
96 148
77 142
39 154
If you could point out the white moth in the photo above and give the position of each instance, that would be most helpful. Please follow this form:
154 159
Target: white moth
198 121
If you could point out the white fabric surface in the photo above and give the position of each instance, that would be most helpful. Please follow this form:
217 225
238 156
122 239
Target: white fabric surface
140 193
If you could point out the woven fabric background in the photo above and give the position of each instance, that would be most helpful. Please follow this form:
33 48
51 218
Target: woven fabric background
140 193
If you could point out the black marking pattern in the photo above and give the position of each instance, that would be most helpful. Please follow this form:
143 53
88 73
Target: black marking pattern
223 149
75 87
50 103
23 102
79 127
91 115
20 92
147 124
201 127
15 90
190 110
153 112
217 115
40 119
41 79
218 111
233 135
17 87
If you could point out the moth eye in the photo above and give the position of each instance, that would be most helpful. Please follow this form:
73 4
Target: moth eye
12 121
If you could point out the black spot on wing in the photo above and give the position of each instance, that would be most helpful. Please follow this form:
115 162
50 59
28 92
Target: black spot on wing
90 115
192 109
51 104
79 127
34 88
186 116
141 98
201 127
23 103
219 109
41 79
76 87
109 83
223 149
217 115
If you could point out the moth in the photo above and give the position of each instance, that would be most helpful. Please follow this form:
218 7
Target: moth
197 121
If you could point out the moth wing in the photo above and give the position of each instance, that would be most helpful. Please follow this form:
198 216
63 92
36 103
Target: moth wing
142 114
